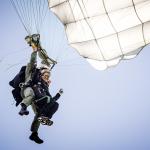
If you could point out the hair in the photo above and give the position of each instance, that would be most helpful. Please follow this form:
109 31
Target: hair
44 70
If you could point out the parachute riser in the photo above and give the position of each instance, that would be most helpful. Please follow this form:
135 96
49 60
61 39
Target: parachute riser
34 41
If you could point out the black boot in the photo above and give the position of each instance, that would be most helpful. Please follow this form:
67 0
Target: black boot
34 137
23 110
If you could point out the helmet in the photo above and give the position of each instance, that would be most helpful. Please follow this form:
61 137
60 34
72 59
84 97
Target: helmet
43 70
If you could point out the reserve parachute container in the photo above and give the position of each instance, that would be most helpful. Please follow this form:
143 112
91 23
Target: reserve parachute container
105 31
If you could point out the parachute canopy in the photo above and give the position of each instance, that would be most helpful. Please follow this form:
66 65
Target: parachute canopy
105 31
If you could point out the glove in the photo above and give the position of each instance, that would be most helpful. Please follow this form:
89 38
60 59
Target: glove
28 39
61 91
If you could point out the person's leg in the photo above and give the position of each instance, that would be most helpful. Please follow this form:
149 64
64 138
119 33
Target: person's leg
17 96
28 95
35 124
50 110
34 129
42 104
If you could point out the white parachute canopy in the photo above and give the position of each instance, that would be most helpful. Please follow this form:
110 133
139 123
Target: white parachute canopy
105 31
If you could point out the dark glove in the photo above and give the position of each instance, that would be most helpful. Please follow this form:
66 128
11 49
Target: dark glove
61 91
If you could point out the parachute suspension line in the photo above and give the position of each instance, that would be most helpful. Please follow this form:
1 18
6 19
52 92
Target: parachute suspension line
37 9
58 51
19 15
92 33
26 4
43 12
70 60
31 13
38 15
34 15
39 12
22 11
13 65
65 52
14 52
60 64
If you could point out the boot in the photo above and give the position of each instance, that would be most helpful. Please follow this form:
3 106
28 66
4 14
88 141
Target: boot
45 120
49 122
23 110
34 137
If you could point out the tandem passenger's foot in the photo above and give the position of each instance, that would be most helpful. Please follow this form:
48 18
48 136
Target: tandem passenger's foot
45 121
34 137
23 110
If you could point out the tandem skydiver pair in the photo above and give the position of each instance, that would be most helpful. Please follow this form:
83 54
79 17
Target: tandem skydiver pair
31 87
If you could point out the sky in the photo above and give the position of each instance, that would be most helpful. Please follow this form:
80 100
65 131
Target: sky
99 110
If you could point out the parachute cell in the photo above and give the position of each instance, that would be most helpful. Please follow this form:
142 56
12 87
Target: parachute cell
105 32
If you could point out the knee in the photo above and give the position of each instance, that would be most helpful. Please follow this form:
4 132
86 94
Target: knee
28 92
31 93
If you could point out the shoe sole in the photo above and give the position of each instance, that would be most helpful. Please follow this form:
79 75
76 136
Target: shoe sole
27 113
35 141
45 121
49 123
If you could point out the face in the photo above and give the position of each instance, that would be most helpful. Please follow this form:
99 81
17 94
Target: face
46 77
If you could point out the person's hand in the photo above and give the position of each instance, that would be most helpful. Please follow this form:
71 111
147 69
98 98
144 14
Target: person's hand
61 91
28 40
49 82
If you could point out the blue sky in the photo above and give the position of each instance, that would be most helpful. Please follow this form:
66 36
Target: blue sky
100 110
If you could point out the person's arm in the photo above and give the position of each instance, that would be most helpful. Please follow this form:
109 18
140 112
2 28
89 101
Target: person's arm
57 96
33 58
31 65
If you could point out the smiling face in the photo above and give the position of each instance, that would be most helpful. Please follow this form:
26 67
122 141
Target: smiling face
45 76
